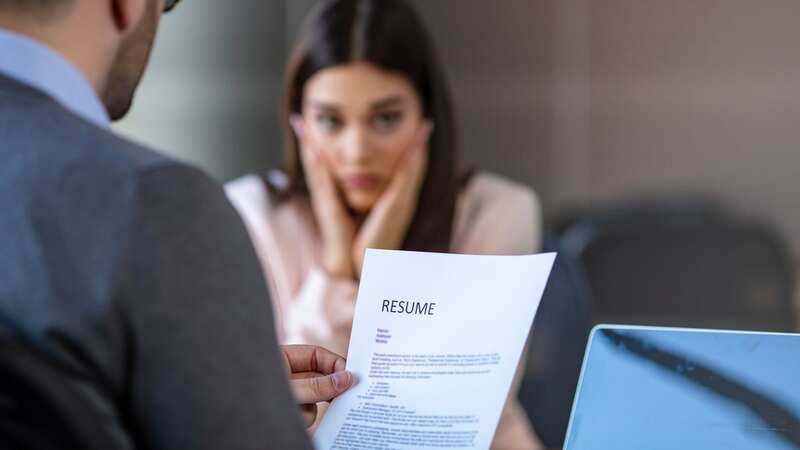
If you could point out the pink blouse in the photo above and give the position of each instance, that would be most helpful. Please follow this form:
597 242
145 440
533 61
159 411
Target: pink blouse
493 216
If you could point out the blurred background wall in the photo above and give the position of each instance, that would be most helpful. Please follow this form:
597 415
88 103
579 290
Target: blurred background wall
210 94
585 100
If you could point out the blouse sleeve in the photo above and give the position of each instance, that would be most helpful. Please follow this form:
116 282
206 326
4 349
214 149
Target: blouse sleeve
499 220
321 312
313 307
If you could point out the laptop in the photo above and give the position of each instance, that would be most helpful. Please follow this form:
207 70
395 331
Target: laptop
653 388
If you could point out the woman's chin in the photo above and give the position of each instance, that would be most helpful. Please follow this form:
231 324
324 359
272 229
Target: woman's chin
361 203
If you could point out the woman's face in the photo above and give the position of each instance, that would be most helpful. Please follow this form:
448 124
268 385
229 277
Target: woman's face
363 119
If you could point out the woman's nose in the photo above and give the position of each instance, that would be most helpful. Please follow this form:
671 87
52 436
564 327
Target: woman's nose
355 145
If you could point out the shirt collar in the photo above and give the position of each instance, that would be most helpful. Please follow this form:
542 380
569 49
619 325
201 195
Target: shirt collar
40 67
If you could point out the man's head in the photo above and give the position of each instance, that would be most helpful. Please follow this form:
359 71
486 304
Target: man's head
108 40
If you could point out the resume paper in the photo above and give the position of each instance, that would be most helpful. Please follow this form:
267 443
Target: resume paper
435 344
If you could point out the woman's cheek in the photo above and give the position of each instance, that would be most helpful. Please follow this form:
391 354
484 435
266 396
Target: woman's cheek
393 152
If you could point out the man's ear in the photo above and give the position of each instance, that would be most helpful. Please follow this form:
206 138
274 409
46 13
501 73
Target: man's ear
127 13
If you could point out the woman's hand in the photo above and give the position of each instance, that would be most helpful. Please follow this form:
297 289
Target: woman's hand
316 375
337 227
387 223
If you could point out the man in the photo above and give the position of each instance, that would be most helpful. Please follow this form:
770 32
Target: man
129 272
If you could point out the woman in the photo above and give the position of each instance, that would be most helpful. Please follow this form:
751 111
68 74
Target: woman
370 161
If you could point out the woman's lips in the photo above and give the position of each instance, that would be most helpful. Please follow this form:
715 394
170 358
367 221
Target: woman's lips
362 182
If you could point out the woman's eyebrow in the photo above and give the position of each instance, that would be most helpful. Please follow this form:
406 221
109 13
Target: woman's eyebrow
319 104
394 100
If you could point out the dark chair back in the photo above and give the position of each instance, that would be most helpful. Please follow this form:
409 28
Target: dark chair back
556 347
690 270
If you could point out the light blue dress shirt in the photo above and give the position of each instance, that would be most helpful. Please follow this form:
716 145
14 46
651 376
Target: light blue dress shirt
40 67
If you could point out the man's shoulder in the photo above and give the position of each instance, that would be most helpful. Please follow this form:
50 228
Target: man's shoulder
52 160
46 142
35 124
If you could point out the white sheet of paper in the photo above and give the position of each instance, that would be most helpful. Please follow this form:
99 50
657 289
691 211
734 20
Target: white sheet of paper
438 377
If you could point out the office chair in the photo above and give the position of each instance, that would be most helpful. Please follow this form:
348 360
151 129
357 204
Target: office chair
555 348
660 209
675 269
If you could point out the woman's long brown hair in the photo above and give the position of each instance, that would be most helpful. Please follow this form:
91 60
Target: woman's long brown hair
390 35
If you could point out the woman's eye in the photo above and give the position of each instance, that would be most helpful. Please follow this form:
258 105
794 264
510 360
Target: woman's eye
387 121
328 123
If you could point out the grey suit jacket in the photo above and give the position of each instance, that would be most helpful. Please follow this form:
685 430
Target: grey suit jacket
136 276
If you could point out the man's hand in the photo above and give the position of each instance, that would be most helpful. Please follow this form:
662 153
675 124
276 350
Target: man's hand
316 375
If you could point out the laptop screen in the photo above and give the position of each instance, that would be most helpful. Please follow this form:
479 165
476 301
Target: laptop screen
656 388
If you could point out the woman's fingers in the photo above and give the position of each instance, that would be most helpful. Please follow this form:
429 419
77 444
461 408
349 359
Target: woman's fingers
324 197
388 221
419 146
410 172
309 155
318 178
336 226
424 134
411 168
